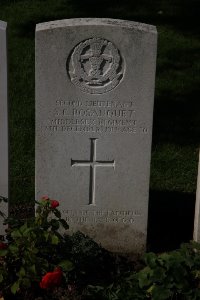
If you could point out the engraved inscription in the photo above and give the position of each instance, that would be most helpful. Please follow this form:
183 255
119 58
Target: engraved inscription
94 116
101 216
92 164
95 66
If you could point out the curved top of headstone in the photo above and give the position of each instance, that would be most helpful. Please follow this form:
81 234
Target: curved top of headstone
3 25
95 22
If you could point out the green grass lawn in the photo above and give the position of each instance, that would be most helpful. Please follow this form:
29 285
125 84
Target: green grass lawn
176 132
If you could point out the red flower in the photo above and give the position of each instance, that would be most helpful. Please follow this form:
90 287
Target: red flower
3 246
54 203
51 279
45 197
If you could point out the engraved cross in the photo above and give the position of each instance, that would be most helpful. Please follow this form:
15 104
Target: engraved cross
93 163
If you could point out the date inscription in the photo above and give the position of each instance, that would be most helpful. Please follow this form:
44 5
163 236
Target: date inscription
101 216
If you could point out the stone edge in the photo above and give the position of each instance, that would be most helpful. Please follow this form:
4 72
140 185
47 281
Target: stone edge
3 25
196 234
96 22
5 206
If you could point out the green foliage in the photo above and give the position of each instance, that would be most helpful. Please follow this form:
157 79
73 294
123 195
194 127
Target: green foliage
32 249
168 276
172 275
88 257
36 248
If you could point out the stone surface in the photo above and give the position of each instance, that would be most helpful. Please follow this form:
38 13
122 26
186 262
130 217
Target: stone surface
94 107
3 120
196 234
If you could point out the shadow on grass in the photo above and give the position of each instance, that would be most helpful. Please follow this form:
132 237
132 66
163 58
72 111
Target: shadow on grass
177 122
171 218
177 109
183 15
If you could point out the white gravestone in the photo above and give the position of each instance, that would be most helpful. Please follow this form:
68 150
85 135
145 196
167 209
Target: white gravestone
196 234
94 107
3 121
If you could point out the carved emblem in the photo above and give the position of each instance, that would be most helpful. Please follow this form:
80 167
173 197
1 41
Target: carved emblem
95 66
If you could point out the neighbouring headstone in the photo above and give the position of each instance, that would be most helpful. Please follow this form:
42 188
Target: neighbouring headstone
94 107
3 121
196 234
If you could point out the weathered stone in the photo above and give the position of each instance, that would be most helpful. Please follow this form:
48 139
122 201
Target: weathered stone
94 107
3 121
196 235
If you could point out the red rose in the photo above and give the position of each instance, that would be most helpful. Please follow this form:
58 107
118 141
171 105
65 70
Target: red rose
45 198
54 203
3 246
51 279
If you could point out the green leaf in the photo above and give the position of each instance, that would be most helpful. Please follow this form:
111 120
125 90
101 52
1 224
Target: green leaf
34 250
23 228
54 240
21 272
15 287
32 269
66 265
16 234
27 232
55 224
161 293
150 259
44 203
149 291
26 283
144 277
3 252
46 235
14 249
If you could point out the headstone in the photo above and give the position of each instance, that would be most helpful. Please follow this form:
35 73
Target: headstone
196 234
3 121
94 107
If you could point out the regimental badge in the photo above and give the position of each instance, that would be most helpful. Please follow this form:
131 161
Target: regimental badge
95 66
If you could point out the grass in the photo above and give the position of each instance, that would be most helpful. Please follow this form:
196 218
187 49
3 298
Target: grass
177 107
